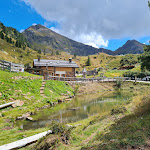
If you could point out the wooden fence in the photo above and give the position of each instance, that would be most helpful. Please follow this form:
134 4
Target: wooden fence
75 79
6 65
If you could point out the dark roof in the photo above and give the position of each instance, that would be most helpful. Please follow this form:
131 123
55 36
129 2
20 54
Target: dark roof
55 63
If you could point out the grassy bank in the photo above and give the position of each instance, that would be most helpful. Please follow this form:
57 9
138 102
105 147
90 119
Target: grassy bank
126 126
25 87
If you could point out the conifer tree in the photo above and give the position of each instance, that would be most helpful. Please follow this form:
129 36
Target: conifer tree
44 51
17 43
57 52
88 63
39 51
2 35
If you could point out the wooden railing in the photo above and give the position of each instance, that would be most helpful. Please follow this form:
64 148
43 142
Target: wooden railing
97 79
6 65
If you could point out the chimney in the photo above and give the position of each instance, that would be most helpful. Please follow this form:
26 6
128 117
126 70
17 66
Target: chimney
38 58
70 60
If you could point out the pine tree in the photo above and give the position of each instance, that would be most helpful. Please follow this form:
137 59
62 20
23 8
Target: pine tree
39 51
2 35
44 51
7 38
24 47
52 52
10 40
88 63
17 43
57 52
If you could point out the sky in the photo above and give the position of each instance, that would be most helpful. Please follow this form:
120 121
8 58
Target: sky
99 23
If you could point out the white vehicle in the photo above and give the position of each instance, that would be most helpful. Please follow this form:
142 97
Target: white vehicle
146 78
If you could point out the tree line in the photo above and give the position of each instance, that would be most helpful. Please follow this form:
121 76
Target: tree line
11 35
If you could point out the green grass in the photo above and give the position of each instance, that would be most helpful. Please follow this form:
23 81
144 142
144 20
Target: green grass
9 75
132 130
55 89
15 134
113 73
26 89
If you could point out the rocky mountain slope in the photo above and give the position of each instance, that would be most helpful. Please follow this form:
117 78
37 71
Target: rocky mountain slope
130 47
42 38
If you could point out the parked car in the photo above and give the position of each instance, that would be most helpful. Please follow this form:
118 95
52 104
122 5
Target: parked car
147 78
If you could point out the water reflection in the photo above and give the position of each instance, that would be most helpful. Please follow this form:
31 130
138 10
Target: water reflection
80 108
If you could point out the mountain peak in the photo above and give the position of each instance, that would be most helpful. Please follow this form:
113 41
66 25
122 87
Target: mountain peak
129 41
130 47
38 26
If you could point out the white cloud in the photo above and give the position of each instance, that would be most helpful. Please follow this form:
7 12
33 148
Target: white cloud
22 30
34 24
92 39
92 44
55 30
109 19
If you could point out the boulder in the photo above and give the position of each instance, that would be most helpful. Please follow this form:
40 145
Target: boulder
17 103
26 115
29 118
68 99
19 118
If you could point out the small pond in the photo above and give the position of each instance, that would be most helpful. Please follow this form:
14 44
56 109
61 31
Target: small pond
79 108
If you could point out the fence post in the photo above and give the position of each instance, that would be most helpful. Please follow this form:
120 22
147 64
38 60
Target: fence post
10 67
3 64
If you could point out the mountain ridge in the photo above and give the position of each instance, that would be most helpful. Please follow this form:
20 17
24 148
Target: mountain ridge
41 38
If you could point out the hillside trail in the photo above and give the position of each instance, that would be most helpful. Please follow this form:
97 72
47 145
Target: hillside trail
42 88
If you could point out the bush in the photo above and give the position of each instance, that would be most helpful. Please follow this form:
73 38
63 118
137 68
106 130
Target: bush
118 110
118 83
136 74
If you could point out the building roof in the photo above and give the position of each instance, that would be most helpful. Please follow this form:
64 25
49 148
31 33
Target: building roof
55 63
84 70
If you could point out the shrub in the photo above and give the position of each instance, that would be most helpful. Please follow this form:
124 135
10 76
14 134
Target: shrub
118 83
118 110
136 74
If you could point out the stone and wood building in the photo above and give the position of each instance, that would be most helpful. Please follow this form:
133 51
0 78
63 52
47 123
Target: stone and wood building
54 68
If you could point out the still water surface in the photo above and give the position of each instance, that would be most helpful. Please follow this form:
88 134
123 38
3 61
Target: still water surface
79 108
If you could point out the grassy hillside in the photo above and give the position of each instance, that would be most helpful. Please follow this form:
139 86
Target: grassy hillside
25 87
17 55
